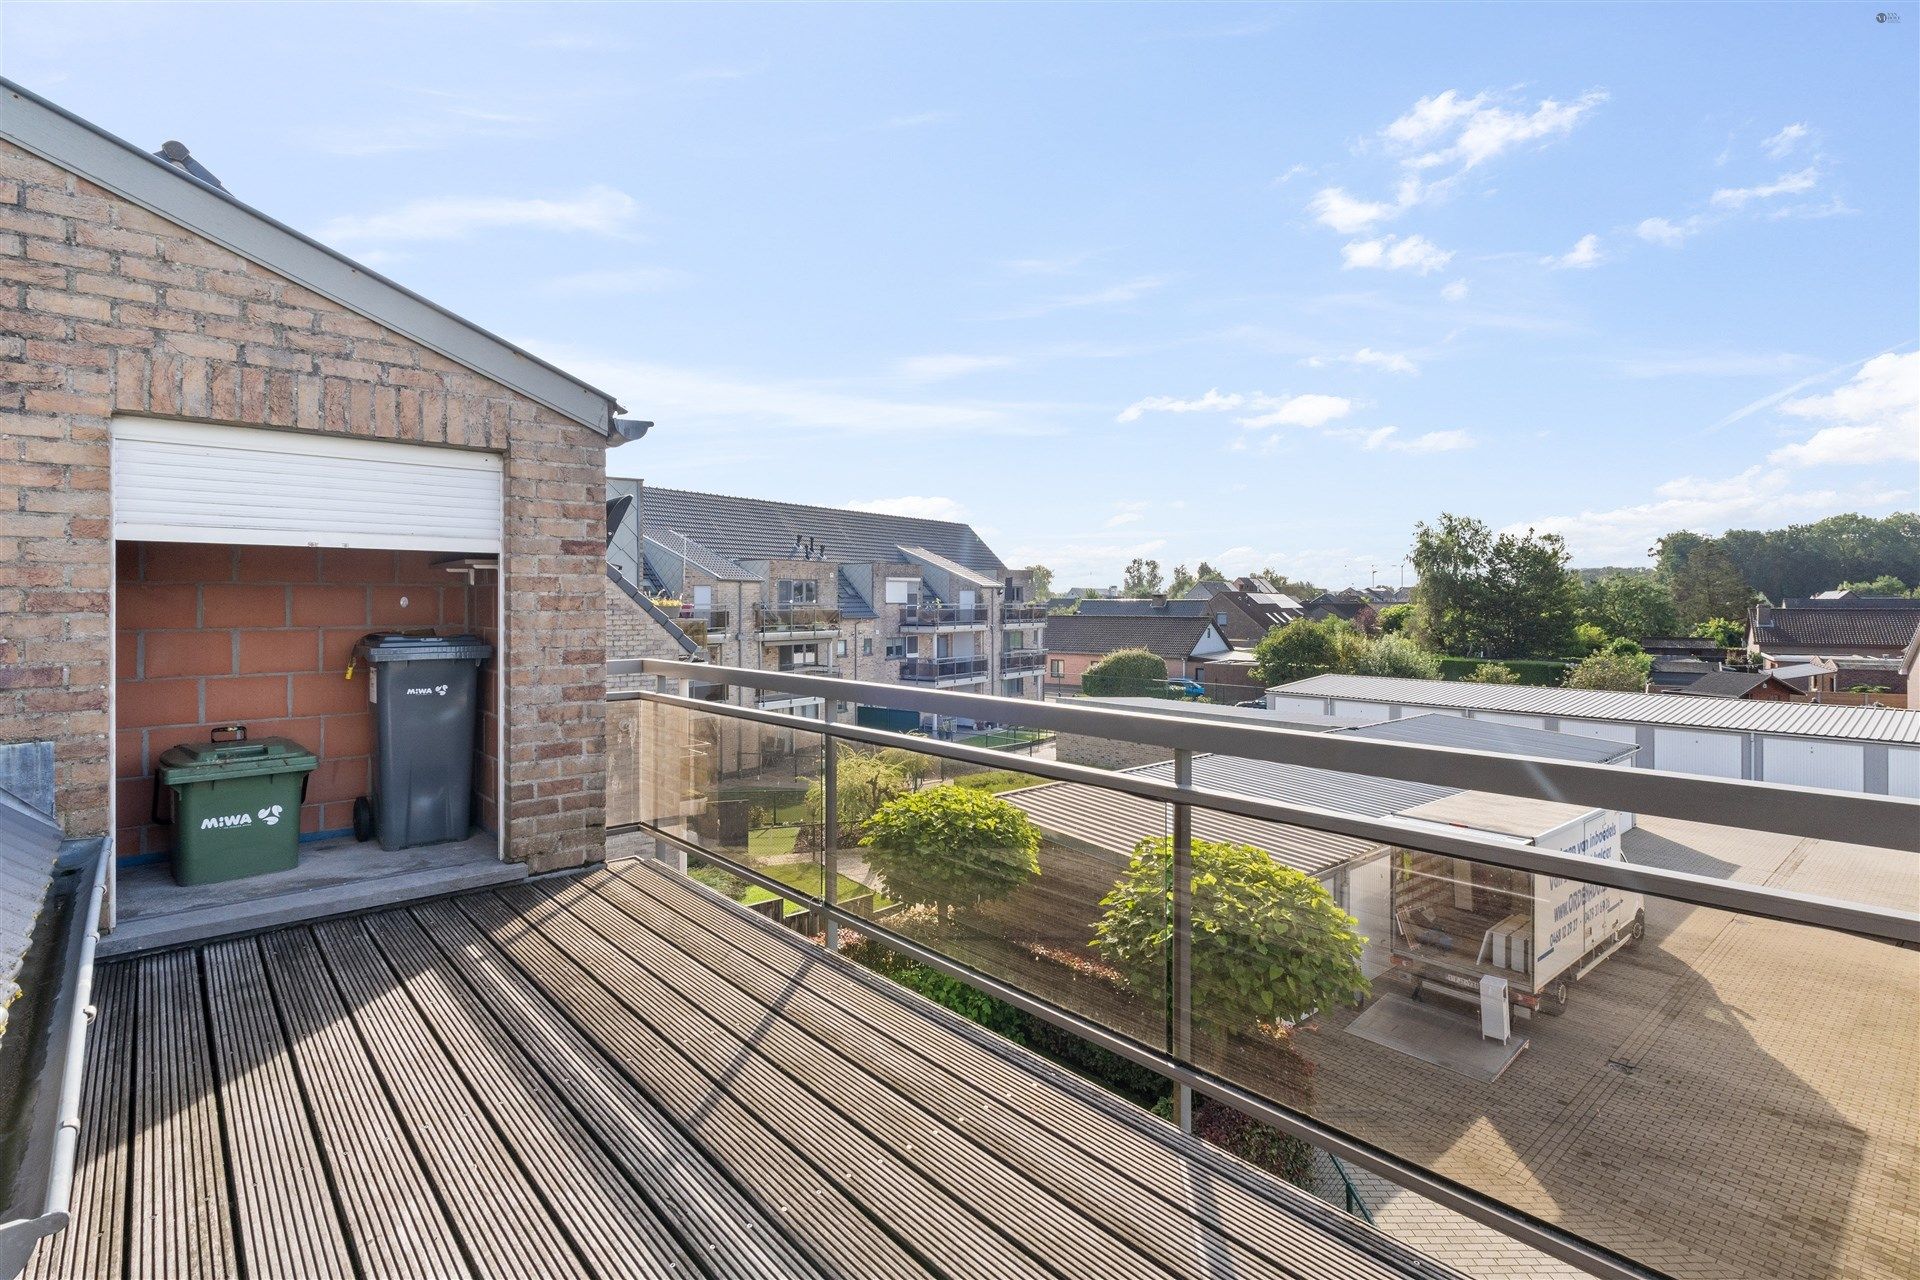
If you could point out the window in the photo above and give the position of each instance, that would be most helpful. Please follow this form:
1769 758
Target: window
902 590
840 648
866 646
1220 620
1056 668
896 648
798 591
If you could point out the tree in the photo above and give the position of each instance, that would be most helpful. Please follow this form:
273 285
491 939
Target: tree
951 848
866 782
1607 669
1041 579
1803 559
1725 632
1301 649
1491 673
1391 656
1707 584
1396 618
1126 673
1182 579
1491 595
1270 946
1636 605
1884 585
915 766
1207 573
1142 578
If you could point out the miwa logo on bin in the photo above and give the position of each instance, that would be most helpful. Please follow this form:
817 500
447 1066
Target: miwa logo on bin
431 691
269 816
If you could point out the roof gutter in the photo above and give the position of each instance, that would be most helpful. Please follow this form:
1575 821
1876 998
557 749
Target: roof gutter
61 138
65 1060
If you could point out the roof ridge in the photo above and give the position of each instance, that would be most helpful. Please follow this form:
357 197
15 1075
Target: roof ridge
807 506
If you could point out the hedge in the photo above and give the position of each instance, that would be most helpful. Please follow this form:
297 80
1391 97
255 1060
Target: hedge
1536 671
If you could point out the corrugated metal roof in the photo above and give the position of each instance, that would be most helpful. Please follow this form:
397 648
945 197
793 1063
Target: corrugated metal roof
1117 822
1284 717
1799 719
1503 739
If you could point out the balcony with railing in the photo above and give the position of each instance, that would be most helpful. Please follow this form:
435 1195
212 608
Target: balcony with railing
796 621
939 671
942 617
1535 1016
1019 661
1022 614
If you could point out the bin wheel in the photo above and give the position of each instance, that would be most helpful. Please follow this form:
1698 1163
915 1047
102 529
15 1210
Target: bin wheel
362 819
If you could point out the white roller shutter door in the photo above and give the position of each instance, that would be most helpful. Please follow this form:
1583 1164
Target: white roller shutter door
1685 751
1837 766
191 482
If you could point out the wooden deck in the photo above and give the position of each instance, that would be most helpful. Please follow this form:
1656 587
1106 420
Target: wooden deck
617 1075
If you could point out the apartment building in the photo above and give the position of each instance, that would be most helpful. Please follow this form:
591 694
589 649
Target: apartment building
782 586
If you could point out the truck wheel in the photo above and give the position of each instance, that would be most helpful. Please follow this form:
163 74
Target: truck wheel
362 819
1553 1001
1419 990
1638 929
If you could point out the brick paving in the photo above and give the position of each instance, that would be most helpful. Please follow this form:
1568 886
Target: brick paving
1734 1098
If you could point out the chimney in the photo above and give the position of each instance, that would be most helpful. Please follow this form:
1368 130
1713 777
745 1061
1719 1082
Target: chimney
1159 602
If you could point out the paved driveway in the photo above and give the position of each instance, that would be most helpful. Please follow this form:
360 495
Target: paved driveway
1734 1098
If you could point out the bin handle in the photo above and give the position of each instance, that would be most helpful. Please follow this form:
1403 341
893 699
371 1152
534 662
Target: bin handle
239 732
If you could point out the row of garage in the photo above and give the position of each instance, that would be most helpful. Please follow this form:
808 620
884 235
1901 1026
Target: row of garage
1875 750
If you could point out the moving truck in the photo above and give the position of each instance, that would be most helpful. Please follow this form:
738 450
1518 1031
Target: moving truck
1455 921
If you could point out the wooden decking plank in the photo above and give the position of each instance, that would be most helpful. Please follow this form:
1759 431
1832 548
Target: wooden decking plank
1007 1191
284 1208
883 1151
1187 1243
1283 1222
721 1224
181 1220
94 1243
392 1215
507 1229
614 1227
804 1187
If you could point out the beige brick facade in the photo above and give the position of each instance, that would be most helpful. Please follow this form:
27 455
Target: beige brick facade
108 309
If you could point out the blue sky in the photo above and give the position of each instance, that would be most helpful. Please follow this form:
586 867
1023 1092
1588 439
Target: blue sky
1263 286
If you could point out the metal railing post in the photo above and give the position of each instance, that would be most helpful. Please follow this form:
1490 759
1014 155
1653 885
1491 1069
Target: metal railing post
830 841
1181 1004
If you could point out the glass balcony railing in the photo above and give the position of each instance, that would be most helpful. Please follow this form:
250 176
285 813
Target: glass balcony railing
795 619
1022 614
1635 1022
921 616
934 670
1016 661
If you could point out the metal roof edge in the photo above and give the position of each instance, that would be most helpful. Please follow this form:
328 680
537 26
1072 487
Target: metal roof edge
659 615
64 139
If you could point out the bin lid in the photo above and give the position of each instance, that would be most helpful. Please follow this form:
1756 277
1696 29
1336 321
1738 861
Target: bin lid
392 646
242 758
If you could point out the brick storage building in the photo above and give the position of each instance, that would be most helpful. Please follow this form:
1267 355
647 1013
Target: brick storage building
226 452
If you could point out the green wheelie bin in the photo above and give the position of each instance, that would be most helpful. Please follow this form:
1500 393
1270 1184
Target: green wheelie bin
236 804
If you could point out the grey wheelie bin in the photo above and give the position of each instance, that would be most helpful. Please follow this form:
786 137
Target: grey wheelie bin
425 695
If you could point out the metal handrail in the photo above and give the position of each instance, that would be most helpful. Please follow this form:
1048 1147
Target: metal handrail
942 668
1887 821
1356 1204
1879 924
797 617
943 615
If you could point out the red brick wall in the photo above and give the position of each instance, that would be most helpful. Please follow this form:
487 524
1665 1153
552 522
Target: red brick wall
105 309
211 635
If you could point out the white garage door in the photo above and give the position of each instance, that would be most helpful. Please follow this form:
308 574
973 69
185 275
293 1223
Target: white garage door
190 482
1903 773
1686 751
1838 766
1370 710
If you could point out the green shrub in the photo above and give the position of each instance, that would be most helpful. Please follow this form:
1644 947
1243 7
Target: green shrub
1491 673
865 783
1127 673
1390 655
1529 671
1302 648
951 847
1621 672
1270 945
1256 1142
1395 618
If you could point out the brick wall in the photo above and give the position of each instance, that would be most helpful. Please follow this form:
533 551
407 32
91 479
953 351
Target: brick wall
106 308
261 636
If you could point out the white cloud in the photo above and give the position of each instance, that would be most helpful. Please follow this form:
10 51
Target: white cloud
1873 418
1389 439
919 508
1392 253
1295 171
1084 561
939 368
598 210
1347 214
1310 410
1391 362
1783 142
1466 132
1585 253
1664 231
1127 513
1455 291
627 281
1787 184
1211 402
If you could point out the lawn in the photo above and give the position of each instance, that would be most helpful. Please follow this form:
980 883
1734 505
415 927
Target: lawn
995 780
784 804
771 842
998 739
808 878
